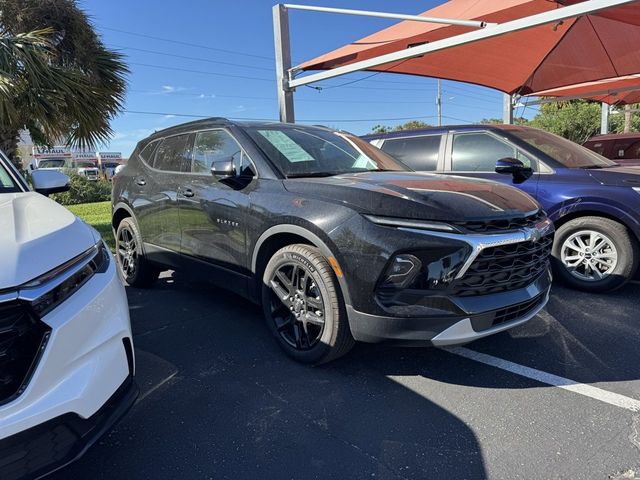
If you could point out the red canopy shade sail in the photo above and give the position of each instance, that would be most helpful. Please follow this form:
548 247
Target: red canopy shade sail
577 50
614 91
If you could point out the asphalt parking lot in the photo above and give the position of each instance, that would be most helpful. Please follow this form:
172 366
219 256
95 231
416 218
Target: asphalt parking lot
219 399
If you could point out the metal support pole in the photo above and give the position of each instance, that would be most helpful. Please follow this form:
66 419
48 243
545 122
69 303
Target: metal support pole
397 16
507 109
604 119
439 102
282 45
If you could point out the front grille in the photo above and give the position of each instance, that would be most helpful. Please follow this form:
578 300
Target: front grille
518 311
502 225
503 268
48 445
512 313
21 336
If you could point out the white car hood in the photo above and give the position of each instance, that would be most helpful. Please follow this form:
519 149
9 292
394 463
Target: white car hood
36 236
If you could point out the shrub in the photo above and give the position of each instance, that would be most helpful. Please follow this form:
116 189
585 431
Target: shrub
84 191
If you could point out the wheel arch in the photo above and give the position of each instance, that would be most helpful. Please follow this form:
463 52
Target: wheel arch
282 235
120 212
594 212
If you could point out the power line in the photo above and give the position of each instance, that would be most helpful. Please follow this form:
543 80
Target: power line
188 44
178 69
198 59
352 120
243 97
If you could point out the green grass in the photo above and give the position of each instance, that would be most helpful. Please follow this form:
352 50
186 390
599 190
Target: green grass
98 215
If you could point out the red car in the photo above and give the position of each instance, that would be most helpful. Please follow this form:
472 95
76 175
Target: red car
623 148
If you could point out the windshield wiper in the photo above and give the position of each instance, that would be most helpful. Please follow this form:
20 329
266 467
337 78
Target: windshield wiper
597 167
313 174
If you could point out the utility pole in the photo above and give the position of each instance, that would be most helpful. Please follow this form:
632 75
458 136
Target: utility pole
439 102
627 119
604 119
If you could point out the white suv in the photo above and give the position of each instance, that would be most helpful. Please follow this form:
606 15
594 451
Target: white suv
66 355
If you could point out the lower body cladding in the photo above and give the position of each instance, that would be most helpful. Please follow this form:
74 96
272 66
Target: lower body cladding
81 385
441 330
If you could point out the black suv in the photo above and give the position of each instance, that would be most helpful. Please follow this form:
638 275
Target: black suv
337 240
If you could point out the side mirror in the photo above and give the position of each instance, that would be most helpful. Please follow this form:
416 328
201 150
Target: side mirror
47 182
514 167
223 169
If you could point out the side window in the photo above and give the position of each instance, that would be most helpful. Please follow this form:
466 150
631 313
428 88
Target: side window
219 146
478 152
147 152
174 154
633 151
418 153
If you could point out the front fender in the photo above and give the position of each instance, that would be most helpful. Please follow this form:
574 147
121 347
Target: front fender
606 207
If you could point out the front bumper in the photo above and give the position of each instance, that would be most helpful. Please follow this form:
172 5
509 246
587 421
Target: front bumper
517 307
88 357
50 446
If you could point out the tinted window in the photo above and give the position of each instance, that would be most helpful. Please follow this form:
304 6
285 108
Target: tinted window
419 153
219 146
174 154
148 151
633 151
478 152
7 185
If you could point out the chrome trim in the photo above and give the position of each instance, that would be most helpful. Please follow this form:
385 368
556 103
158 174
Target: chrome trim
479 242
34 289
8 296
407 223
463 332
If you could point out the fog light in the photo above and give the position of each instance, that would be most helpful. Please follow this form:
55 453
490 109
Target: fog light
402 272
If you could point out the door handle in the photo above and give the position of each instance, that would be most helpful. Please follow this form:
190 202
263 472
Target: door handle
187 192
141 181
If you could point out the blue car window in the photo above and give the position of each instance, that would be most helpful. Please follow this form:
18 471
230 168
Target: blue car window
419 153
478 152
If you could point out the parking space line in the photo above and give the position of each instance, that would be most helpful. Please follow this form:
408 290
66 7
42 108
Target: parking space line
595 393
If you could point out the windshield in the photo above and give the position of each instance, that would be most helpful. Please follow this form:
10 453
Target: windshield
7 183
308 152
563 151
85 164
52 163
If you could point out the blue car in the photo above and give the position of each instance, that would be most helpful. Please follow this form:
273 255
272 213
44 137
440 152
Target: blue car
593 202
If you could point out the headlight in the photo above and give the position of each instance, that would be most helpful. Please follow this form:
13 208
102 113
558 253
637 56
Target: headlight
51 289
637 189
408 223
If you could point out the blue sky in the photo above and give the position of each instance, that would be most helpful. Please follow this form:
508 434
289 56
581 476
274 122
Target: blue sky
226 42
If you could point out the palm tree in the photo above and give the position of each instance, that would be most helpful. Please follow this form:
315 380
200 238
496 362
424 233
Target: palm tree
57 79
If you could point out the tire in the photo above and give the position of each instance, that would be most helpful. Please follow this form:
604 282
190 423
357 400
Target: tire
616 262
313 295
134 268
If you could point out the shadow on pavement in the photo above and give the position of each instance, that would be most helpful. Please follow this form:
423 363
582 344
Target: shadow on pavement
220 400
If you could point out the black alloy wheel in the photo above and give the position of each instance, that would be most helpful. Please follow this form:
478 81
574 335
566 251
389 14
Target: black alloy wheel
303 305
135 269
297 307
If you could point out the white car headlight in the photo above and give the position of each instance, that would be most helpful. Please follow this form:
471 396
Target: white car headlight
51 289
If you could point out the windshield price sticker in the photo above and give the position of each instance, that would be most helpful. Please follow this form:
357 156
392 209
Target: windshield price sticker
286 146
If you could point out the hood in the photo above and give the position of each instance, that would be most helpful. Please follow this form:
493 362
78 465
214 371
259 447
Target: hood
418 195
628 176
36 236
